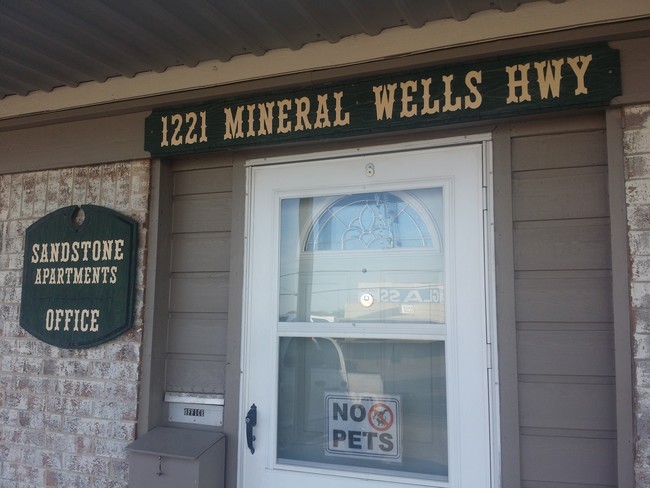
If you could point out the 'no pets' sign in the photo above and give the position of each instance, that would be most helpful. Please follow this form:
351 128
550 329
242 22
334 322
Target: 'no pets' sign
364 426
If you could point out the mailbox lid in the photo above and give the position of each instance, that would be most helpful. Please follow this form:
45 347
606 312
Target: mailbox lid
174 442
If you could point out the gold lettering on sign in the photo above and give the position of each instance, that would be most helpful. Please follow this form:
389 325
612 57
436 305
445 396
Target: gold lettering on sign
302 111
285 116
549 74
415 96
72 319
266 118
322 113
472 80
340 118
284 124
234 123
97 251
549 78
186 129
63 252
409 109
87 275
384 100
579 66
427 107
451 103
518 81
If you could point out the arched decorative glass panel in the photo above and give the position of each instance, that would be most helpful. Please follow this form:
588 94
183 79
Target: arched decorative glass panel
373 257
382 220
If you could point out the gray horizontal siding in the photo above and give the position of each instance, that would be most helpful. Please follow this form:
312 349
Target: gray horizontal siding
552 194
199 280
206 180
564 344
562 244
195 373
199 292
568 461
197 333
200 252
570 406
563 307
559 150
563 296
201 213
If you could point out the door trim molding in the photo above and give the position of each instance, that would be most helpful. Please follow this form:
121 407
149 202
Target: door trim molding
481 137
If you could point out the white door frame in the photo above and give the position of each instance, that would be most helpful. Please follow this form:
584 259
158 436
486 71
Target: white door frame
490 300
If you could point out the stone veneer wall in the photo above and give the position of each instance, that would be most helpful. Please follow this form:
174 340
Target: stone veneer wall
66 415
636 122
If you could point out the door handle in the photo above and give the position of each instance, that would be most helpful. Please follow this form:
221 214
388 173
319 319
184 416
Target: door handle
251 421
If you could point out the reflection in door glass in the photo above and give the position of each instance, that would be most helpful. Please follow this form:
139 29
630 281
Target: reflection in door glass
371 257
376 405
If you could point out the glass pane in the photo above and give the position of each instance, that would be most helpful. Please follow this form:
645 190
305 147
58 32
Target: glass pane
376 404
373 257
368 221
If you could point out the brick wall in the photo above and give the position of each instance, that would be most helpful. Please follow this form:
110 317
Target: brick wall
66 415
637 168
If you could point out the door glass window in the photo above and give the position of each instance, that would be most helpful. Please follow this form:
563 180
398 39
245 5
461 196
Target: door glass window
379 405
372 257
352 402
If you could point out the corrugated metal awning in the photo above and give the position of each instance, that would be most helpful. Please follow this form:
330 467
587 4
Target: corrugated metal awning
47 44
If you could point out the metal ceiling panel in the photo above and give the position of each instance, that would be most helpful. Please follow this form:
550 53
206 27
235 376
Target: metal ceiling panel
53 43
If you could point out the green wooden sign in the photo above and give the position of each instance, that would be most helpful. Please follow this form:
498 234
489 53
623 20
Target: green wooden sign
545 81
79 276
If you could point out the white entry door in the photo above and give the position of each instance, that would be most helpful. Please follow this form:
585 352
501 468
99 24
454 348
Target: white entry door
365 335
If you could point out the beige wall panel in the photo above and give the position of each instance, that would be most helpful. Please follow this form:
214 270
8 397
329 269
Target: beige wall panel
195 374
562 244
559 151
574 352
568 406
582 461
79 143
200 252
192 334
202 213
211 180
561 194
199 292
563 297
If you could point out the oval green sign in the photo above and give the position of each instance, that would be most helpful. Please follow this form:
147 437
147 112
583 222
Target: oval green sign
79 276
